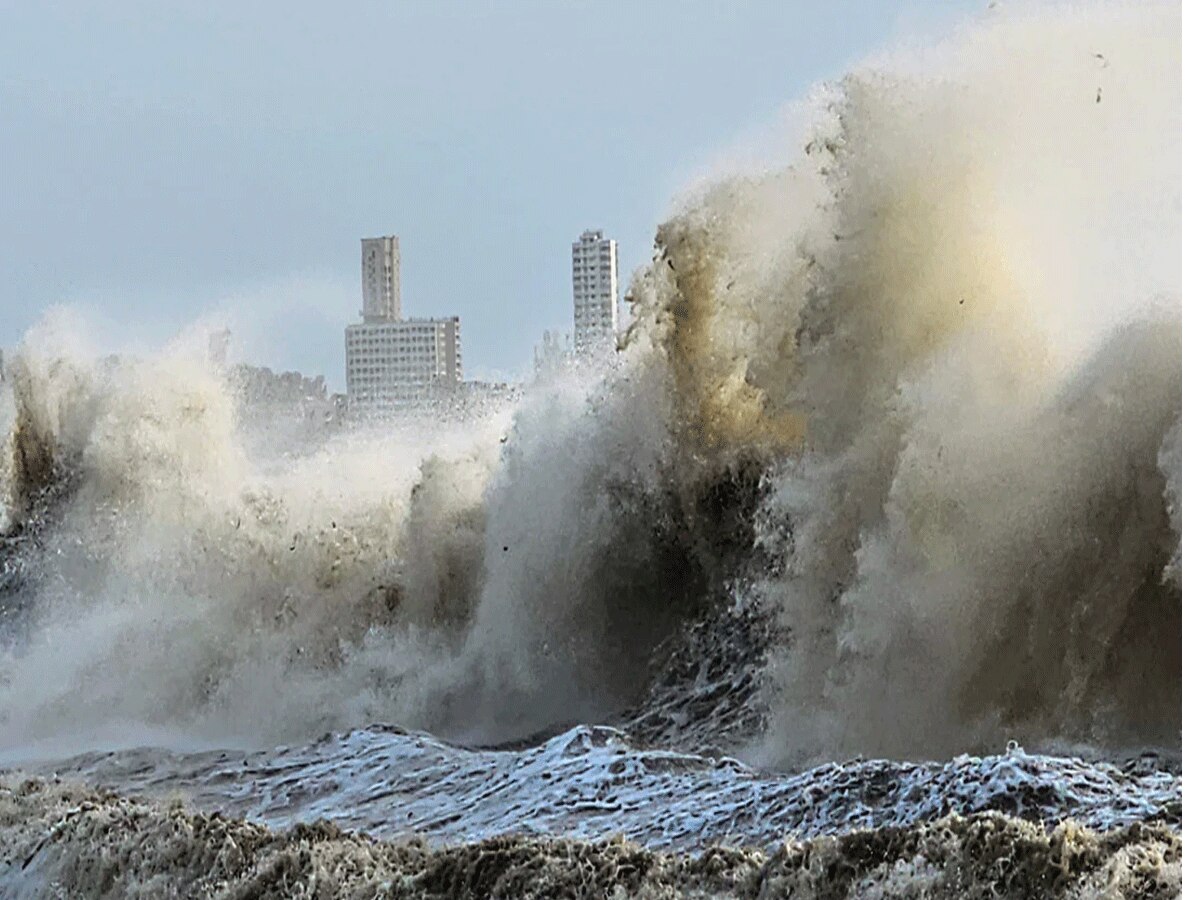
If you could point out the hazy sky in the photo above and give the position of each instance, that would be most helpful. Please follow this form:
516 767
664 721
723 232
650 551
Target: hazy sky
167 161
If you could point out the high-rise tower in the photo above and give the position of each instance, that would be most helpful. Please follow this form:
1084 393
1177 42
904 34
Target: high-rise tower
381 279
594 280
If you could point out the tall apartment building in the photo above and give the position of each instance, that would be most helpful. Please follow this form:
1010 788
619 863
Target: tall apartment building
395 364
381 279
594 282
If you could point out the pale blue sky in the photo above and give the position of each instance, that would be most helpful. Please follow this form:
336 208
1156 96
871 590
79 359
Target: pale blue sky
164 160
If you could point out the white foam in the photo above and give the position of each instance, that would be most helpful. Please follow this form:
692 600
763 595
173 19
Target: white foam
590 782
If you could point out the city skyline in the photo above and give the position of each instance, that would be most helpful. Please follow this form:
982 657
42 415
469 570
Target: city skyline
396 364
153 191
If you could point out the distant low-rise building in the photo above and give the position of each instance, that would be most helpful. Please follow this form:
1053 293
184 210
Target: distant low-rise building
261 386
552 353
489 391
282 411
218 347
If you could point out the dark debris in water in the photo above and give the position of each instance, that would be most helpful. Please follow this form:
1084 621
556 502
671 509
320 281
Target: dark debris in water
35 516
707 695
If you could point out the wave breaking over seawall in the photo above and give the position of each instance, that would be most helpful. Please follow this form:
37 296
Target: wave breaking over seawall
918 392
888 465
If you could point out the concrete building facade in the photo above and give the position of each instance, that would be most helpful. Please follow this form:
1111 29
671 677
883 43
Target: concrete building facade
594 284
381 279
392 366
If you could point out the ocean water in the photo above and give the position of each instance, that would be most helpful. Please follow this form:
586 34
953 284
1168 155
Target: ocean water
865 542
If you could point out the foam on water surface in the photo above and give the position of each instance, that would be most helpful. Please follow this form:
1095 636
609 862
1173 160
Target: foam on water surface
592 782
62 840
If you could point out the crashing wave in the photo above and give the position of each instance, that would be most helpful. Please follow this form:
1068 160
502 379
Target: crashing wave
917 393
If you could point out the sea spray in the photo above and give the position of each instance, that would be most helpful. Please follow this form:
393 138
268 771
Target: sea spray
916 393
960 359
